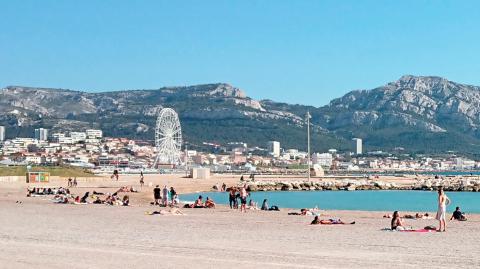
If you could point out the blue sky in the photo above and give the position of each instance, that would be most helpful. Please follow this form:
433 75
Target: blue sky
306 52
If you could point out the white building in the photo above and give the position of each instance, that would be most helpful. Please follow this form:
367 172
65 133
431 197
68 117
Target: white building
41 134
57 136
358 146
80 136
323 159
274 148
92 133
65 140
2 133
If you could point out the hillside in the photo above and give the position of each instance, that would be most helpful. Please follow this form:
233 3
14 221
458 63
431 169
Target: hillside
420 114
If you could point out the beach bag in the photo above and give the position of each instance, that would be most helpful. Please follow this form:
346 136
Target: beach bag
430 227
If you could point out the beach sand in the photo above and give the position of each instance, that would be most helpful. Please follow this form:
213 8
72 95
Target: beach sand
40 234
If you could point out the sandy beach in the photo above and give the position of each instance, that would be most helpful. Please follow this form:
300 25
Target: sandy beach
40 234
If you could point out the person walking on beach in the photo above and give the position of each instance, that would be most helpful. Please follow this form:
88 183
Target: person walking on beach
165 196
156 195
141 180
224 187
115 174
74 182
243 199
443 201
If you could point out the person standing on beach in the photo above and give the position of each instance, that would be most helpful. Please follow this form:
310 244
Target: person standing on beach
243 199
141 180
165 196
156 195
443 201
74 182
231 197
173 194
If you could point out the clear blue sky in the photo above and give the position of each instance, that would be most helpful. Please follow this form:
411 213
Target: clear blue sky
294 51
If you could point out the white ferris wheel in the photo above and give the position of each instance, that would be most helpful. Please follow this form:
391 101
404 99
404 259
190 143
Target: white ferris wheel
168 137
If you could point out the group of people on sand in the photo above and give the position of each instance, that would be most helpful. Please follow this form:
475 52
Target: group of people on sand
36 191
72 182
399 224
236 195
209 203
160 196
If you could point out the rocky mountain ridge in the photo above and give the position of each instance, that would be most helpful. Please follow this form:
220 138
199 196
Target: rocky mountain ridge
418 113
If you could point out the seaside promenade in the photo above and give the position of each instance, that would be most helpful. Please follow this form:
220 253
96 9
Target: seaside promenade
37 233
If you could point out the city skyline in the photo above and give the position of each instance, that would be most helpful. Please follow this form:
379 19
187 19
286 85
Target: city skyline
320 50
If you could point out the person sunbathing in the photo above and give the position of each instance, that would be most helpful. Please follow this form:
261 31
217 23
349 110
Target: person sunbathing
97 200
172 211
303 212
317 220
109 200
60 199
397 222
125 200
423 216
198 203
209 203
83 200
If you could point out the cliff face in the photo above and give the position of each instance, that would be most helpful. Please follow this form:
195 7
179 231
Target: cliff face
417 113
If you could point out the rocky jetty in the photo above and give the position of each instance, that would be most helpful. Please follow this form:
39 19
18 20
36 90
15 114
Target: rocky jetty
462 184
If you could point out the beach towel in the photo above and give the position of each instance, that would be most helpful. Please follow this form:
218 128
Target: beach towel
411 230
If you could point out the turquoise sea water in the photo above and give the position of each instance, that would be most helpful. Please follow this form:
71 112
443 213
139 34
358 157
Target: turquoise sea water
416 201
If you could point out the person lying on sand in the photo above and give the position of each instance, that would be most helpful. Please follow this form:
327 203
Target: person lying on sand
303 212
60 199
83 200
172 211
317 220
423 216
97 200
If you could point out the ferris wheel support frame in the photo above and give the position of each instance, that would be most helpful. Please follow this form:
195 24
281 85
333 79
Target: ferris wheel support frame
168 138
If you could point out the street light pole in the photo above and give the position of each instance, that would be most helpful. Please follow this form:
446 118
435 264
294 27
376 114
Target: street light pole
308 142
186 159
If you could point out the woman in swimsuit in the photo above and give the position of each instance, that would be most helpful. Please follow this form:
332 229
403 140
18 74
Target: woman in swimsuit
443 201
397 223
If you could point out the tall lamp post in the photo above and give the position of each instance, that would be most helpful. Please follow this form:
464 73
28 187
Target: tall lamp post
186 159
308 116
